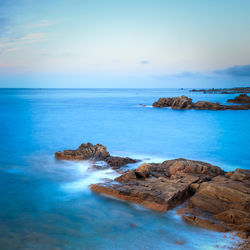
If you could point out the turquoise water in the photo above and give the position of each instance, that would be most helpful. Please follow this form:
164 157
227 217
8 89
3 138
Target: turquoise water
46 204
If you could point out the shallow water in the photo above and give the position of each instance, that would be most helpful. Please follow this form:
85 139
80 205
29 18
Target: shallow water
46 204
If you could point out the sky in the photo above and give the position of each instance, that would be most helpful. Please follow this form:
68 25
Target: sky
117 43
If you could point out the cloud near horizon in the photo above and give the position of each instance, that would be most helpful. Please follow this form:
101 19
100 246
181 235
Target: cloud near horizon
143 62
235 71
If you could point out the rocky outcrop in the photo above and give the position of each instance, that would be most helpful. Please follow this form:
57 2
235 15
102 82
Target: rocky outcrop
215 200
84 152
183 102
241 99
94 153
117 162
223 91
221 204
159 186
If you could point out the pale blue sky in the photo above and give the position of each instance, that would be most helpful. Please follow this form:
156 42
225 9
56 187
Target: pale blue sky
112 43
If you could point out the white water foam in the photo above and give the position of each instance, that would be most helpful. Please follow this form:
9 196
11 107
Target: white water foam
85 175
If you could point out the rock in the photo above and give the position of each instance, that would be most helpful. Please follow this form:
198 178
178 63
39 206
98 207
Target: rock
209 106
233 216
84 152
159 186
116 162
240 175
224 200
94 153
183 102
205 223
127 177
224 90
155 194
243 98
180 166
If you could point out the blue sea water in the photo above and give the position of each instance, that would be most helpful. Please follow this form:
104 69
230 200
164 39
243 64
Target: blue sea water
46 203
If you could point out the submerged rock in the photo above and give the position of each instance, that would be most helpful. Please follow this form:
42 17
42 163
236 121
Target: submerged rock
243 98
94 153
183 102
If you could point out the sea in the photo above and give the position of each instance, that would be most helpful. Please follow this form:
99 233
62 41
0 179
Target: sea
47 204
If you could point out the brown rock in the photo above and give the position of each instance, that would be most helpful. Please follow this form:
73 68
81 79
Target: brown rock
225 199
155 194
116 162
84 152
94 153
233 216
243 98
159 186
240 175
180 166
205 223
183 102
203 105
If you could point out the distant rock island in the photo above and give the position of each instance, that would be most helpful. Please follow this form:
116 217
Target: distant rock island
184 102
243 98
215 199
223 90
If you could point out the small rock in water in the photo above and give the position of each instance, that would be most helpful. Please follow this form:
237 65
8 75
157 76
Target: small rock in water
97 154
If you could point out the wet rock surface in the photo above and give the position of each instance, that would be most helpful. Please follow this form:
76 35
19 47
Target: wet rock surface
224 200
243 98
159 186
183 102
216 200
94 153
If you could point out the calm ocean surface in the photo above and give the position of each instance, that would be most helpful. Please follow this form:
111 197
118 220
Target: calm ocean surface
46 204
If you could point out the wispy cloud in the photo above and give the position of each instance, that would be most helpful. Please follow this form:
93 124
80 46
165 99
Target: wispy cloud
19 42
40 24
33 37
235 71
143 62
185 74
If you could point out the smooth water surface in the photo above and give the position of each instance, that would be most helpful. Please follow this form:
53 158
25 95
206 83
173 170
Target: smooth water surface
46 204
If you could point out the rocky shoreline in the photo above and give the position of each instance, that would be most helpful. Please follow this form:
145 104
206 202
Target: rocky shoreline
212 198
223 90
184 102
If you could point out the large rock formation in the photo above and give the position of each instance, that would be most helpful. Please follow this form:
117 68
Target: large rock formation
159 186
216 200
94 153
243 98
183 102
221 204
